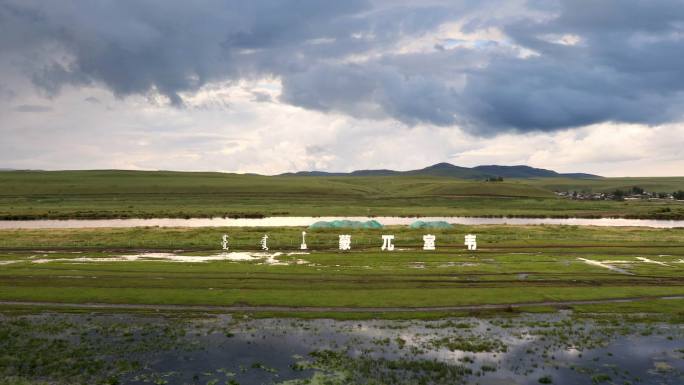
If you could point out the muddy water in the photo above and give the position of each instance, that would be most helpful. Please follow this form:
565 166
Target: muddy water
306 221
506 350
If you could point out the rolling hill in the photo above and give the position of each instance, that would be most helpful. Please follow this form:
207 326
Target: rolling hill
433 191
450 170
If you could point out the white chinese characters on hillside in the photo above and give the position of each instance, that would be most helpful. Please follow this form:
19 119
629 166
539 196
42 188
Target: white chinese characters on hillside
303 245
429 242
345 242
387 242
471 241
264 242
224 242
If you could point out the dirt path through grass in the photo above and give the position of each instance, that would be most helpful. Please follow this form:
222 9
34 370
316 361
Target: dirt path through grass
311 309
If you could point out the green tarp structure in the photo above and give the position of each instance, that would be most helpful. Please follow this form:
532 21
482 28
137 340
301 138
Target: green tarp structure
346 224
431 225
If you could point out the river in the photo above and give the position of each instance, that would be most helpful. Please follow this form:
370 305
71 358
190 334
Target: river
306 221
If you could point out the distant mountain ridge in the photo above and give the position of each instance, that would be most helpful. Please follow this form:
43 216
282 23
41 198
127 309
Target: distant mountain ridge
450 170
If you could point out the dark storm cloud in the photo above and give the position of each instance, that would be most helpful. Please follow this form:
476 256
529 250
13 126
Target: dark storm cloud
543 94
627 67
171 46
345 56
32 108
372 91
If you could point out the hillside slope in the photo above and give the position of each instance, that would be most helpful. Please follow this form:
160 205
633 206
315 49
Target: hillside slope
452 171
143 194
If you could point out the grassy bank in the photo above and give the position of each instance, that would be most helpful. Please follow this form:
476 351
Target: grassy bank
289 238
513 265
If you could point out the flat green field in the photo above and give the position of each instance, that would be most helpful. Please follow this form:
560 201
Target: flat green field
134 194
179 266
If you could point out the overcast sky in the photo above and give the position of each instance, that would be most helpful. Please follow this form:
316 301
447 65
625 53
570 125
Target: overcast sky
270 86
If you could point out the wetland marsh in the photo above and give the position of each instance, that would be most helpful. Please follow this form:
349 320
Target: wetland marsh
152 305
560 348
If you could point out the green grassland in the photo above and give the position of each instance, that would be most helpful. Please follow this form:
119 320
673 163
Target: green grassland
134 194
514 264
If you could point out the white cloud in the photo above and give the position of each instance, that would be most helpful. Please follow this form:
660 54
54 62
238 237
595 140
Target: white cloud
608 149
224 129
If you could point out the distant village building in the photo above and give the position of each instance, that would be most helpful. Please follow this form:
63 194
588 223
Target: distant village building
636 193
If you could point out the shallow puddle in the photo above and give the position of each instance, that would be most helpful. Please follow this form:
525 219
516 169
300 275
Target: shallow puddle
258 257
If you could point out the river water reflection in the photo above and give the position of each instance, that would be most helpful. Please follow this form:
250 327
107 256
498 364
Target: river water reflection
306 221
